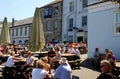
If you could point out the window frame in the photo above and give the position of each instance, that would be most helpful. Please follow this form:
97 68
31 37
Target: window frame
115 23
71 23
84 3
84 21
71 6
56 23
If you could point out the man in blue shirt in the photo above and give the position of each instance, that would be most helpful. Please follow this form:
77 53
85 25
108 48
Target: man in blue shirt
63 71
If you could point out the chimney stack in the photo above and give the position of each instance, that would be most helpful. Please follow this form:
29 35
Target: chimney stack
13 22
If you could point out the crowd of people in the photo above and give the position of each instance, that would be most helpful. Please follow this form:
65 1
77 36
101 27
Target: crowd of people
54 65
107 63
42 67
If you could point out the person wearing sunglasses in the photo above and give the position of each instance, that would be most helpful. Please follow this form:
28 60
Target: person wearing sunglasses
105 70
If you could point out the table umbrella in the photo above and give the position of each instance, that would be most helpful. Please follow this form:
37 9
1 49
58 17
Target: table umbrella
5 37
36 40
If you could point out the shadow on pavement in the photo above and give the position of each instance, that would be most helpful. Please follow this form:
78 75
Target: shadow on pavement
88 64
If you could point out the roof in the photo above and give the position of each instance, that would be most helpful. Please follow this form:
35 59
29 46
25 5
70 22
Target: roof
23 22
97 2
51 3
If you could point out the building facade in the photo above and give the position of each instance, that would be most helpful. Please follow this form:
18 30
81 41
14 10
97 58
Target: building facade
74 20
103 27
52 21
19 31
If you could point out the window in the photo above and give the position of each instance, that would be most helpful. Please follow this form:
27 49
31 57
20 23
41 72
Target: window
13 42
12 32
70 23
56 24
71 6
26 42
48 25
70 38
56 10
84 21
25 30
117 23
21 31
48 12
16 31
20 42
85 2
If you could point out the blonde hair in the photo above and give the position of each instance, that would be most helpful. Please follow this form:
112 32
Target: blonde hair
45 59
41 64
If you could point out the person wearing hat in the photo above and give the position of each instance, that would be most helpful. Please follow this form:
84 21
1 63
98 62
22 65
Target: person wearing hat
63 71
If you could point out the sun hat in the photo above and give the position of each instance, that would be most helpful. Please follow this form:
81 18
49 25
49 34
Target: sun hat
63 60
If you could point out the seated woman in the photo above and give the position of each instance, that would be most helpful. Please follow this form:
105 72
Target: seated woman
47 66
27 67
110 56
29 60
39 72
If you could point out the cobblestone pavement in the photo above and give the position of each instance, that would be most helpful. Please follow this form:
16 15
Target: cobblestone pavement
86 71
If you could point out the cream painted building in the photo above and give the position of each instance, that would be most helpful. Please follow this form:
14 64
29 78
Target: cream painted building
19 31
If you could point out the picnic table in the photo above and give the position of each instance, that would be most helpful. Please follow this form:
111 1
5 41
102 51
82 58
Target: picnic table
68 56
118 64
73 62
41 54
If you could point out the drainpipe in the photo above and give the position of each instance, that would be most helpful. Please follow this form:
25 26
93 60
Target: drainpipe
74 30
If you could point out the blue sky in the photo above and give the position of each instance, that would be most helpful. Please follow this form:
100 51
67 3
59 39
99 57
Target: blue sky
19 9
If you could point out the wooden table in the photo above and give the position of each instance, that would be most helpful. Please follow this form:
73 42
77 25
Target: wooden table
68 56
118 64
41 54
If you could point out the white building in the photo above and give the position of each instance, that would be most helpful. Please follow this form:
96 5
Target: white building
74 20
103 27
19 31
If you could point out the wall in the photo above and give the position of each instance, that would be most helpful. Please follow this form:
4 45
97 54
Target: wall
101 30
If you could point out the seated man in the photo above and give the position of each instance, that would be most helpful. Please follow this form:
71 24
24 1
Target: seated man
63 71
10 60
56 58
105 67
9 65
76 52
96 58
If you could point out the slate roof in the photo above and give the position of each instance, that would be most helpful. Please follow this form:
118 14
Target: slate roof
23 22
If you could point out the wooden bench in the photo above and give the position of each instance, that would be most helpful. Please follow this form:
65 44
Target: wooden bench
75 63
1 68
118 64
